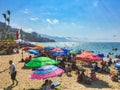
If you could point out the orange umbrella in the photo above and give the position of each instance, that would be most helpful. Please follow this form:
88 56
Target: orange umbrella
26 48
86 52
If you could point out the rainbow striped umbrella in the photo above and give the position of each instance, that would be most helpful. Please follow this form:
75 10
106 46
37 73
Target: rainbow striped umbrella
46 72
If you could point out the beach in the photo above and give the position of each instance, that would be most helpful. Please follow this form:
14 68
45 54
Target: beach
67 83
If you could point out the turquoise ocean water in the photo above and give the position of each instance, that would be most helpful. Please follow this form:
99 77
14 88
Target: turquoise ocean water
97 47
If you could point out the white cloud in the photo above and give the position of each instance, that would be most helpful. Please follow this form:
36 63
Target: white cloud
49 21
25 11
54 21
15 25
29 30
34 18
95 3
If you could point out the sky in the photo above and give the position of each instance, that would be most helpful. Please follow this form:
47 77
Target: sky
92 20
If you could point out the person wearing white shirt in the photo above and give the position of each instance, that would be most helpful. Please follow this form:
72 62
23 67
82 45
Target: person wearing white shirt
13 72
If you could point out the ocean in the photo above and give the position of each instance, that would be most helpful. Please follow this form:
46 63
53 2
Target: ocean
97 47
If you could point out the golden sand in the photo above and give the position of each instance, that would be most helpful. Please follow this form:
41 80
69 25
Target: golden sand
67 83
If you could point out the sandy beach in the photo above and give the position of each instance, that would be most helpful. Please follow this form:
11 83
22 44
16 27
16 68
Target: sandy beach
67 83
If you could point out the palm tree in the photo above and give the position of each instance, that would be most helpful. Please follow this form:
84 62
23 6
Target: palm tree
7 23
5 17
3 33
8 20
8 12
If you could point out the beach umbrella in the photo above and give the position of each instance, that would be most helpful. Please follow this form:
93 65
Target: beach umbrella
35 52
39 47
41 61
48 48
26 48
75 51
59 53
65 49
117 65
88 57
100 55
46 72
56 49
87 52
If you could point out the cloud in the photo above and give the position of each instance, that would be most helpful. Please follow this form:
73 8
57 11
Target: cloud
25 11
95 3
15 25
29 30
49 21
54 21
34 18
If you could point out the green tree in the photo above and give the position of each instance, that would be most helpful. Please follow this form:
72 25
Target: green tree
3 32
7 23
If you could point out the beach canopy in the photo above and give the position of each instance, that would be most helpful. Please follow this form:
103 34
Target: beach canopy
87 52
46 72
56 49
59 53
100 55
75 51
35 52
117 65
41 61
39 47
88 57
48 48
66 49
26 48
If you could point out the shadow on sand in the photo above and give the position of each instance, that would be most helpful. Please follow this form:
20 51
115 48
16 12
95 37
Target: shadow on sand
98 84
25 67
10 87
4 70
33 89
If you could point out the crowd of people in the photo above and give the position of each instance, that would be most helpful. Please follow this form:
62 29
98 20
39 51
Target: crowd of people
68 64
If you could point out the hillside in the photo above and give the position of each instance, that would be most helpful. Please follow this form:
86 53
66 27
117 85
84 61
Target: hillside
32 37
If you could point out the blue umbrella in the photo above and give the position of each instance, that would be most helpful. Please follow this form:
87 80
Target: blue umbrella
117 65
35 52
65 49
45 69
59 53
100 55
48 48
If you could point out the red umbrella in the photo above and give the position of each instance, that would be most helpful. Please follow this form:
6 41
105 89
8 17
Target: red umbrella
88 57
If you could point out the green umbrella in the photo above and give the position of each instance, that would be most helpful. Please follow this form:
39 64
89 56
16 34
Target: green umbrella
41 61
74 51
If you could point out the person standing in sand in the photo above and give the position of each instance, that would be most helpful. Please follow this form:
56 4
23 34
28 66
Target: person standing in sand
13 72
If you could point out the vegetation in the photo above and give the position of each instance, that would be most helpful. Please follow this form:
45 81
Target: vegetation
5 31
